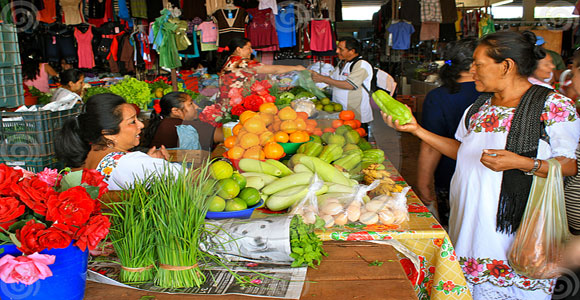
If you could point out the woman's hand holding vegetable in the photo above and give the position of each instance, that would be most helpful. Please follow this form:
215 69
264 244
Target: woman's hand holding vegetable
410 127
158 153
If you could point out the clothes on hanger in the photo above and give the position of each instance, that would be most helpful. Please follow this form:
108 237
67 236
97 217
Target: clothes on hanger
286 26
401 35
85 48
230 28
72 12
261 30
321 35
48 14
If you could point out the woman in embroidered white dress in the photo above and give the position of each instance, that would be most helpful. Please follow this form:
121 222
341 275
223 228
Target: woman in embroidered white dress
101 138
494 154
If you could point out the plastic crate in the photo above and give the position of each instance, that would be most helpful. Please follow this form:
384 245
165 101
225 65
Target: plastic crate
34 164
29 136
11 88
9 50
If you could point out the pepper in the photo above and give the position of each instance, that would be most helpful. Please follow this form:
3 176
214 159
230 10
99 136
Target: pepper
364 145
350 161
310 149
351 137
392 107
330 153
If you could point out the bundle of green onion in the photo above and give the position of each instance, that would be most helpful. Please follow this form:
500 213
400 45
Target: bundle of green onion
180 204
130 233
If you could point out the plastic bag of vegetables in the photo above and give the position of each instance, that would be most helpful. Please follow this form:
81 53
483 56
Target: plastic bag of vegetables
342 208
308 206
305 81
387 209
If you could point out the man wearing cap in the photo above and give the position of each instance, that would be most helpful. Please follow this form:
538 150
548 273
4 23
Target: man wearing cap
557 60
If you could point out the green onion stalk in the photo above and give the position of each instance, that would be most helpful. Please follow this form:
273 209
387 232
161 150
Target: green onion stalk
181 200
131 227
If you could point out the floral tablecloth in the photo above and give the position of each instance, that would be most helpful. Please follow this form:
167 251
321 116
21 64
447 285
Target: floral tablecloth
440 275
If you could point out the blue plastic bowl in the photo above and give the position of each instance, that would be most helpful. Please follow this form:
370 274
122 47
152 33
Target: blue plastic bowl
240 214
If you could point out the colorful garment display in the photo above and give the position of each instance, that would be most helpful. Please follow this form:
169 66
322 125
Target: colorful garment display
85 48
72 12
286 26
431 11
48 14
261 30
209 32
321 35
231 24
164 41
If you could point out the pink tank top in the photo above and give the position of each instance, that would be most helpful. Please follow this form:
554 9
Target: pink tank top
85 48
41 81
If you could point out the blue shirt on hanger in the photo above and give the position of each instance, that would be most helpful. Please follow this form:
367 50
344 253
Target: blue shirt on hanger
401 35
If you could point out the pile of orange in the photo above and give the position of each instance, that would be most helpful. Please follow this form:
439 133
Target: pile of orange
258 134
347 117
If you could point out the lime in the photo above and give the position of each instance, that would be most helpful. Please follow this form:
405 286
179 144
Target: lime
228 188
235 204
221 169
250 195
319 106
329 108
217 204
241 180
337 106
325 101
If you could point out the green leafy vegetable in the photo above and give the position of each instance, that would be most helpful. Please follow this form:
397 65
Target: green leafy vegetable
305 244
95 91
133 90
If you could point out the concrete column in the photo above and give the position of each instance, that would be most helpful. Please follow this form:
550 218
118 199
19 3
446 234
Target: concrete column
529 6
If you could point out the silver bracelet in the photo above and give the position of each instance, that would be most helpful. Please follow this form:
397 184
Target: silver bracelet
535 168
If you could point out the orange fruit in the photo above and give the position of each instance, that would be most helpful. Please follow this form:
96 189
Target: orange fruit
230 142
236 129
255 125
249 140
310 122
273 150
266 137
317 132
337 123
299 137
236 152
358 123
288 126
281 137
287 113
276 125
269 108
302 115
361 132
255 152
246 115
351 123
328 129
300 124
266 117
346 115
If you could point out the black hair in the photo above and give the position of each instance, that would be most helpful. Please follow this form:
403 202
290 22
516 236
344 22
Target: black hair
71 75
576 58
519 47
167 103
351 44
30 67
458 57
235 43
101 115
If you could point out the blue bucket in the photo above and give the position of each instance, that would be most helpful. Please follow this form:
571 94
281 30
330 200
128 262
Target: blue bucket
69 274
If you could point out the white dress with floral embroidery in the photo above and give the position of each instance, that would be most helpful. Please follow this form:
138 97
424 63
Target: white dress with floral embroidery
475 191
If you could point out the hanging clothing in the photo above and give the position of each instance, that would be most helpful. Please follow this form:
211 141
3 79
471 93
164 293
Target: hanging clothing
85 48
213 5
320 35
209 32
167 47
230 28
261 30
408 11
431 11
192 51
194 8
48 14
265 4
139 9
103 9
481 249
401 35
96 9
41 80
72 12
429 31
286 26
448 11
330 5
126 56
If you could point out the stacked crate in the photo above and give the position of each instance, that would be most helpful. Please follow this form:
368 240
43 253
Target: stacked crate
11 88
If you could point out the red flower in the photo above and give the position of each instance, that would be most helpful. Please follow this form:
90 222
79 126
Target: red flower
498 268
8 177
359 236
253 102
72 207
10 209
34 193
210 113
490 122
438 242
269 99
28 237
58 236
432 270
448 286
238 110
96 179
90 235
527 283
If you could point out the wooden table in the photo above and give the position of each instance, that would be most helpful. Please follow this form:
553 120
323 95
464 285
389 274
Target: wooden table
344 274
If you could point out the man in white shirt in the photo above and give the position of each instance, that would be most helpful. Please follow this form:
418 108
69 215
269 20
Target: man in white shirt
348 79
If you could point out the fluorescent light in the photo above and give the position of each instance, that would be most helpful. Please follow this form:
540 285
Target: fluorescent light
502 2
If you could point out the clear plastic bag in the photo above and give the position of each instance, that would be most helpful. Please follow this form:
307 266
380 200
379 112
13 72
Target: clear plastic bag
347 208
305 81
387 209
308 206
539 242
